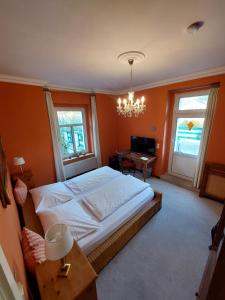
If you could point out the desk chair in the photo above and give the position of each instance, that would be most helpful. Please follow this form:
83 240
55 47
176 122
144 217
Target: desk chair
127 166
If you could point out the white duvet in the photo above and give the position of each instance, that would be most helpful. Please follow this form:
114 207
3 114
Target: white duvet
89 181
50 195
103 201
73 215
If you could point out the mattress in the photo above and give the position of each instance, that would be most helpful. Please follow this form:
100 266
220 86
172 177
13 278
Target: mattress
116 220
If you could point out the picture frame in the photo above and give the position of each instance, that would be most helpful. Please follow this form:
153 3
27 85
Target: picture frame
9 288
4 197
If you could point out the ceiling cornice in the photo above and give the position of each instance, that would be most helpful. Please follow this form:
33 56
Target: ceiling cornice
42 83
21 80
211 72
77 90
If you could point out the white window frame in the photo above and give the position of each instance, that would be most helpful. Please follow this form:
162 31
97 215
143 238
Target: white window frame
84 124
177 113
184 112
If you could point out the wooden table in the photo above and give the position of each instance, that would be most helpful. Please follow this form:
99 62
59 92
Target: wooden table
145 160
79 285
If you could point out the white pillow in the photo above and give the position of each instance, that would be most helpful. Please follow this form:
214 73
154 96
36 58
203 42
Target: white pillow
72 214
50 195
91 180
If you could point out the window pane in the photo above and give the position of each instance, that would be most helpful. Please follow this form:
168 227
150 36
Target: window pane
66 141
196 102
79 138
188 135
69 117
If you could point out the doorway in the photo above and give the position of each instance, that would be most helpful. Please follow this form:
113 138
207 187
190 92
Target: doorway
187 132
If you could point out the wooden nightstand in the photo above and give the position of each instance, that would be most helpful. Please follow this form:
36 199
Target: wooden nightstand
79 285
26 177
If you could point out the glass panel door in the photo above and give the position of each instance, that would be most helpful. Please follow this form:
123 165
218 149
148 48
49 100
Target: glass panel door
188 135
187 132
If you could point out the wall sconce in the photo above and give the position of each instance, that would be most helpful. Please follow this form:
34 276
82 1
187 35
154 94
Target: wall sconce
19 161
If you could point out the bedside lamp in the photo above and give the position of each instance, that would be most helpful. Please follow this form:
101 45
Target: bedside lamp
19 161
58 243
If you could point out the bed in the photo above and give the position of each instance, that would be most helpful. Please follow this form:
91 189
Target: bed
134 203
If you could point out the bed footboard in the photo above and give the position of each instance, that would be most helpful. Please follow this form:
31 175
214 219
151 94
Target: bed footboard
100 256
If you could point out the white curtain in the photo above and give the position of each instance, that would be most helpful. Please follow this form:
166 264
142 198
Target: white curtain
60 174
206 134
96 142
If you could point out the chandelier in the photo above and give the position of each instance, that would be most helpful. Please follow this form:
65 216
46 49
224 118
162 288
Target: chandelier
129 107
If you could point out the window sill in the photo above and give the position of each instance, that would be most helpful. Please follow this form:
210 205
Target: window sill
68 161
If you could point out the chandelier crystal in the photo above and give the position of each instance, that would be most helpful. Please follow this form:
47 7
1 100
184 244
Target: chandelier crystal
129 107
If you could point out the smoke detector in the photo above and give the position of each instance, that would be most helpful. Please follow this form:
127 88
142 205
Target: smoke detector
194 27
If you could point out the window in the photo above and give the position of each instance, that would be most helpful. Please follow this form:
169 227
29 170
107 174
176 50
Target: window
72 129
195 102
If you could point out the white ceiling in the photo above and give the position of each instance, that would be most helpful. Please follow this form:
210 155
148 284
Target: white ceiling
75 43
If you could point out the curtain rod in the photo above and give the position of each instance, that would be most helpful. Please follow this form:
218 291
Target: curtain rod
195 88
45 89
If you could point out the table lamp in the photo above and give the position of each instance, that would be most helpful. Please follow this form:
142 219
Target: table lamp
58 243
19 161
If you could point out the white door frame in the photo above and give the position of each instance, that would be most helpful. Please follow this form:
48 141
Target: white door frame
195 113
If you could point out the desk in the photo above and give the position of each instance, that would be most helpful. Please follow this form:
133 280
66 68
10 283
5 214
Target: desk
143 159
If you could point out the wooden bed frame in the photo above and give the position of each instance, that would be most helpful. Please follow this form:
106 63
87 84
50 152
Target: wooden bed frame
101 255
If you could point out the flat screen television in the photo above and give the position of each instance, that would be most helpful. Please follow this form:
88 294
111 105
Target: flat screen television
142 145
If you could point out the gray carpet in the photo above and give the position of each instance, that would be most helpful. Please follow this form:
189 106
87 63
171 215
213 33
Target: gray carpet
165 260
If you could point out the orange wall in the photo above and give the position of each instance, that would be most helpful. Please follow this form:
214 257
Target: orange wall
25 131
159 103
216 148
107 122
10 240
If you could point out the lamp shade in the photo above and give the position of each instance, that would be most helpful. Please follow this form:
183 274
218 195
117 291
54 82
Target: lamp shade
18 161
58 242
